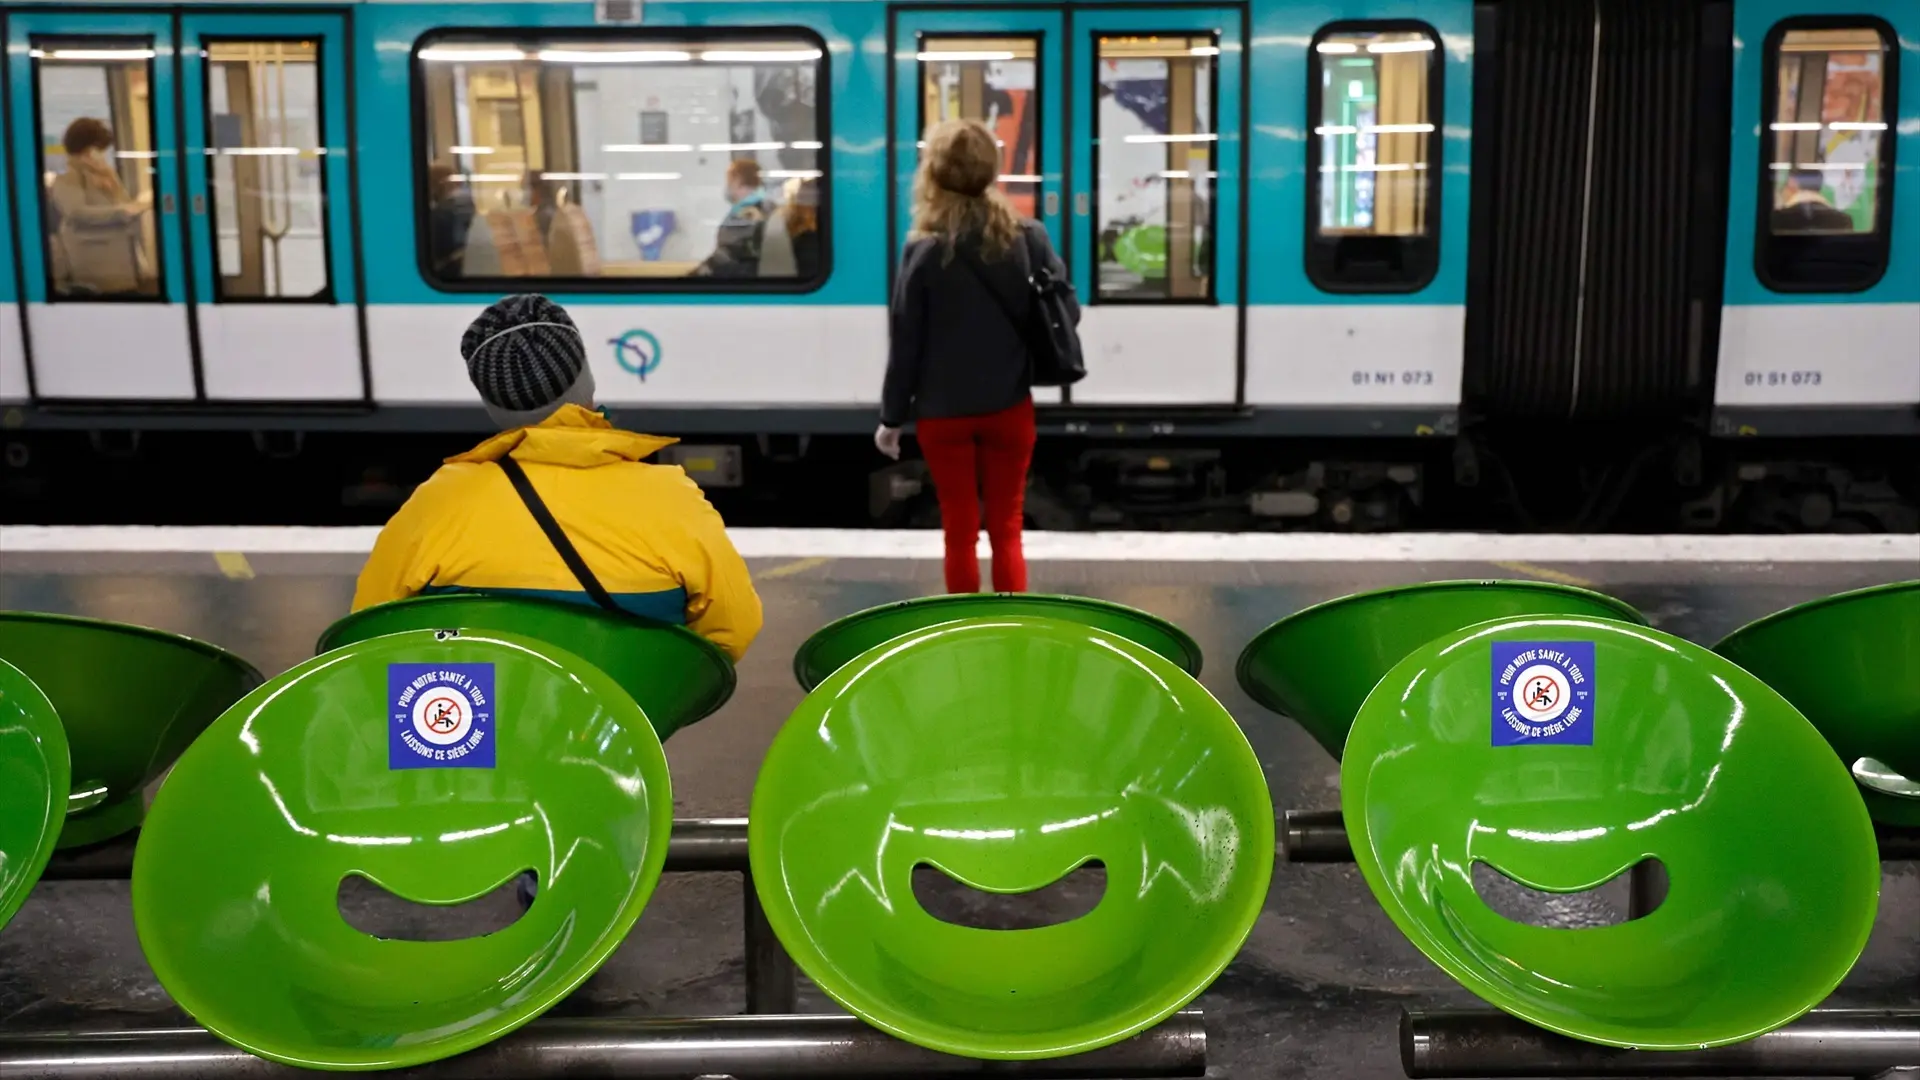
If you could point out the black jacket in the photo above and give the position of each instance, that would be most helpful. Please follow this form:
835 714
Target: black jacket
952 351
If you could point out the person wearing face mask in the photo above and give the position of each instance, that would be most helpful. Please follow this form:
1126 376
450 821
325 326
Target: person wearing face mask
99 230
736 248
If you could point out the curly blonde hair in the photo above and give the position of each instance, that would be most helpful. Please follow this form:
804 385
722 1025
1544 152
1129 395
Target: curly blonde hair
954 191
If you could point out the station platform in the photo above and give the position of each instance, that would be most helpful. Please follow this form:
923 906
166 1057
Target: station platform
1320 986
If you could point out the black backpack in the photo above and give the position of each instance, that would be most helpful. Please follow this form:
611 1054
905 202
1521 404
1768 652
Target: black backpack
1049 330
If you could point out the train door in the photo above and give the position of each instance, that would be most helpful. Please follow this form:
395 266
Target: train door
1001 67
95 179
1120 132
270 198
1155 228
13 351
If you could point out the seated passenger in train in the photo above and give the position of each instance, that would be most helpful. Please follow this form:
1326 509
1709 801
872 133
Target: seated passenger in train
736 247
1801 206
450 213
645 533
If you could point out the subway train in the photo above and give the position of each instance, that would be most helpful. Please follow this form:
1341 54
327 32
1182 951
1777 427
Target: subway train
1350 264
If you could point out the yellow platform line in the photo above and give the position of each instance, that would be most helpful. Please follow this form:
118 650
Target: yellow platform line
797 566
234 565
1545 573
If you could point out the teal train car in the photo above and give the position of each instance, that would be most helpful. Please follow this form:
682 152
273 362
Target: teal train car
1388 223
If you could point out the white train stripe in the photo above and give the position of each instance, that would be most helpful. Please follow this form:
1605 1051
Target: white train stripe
1057 546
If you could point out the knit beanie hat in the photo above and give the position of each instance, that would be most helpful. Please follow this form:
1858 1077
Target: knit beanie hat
527 358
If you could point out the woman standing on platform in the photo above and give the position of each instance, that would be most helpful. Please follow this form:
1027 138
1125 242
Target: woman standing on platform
958 364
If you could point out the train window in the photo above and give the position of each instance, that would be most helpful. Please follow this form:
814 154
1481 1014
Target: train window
1827 176
98 168
1373 182
1154 136
995 80
264 169
624 162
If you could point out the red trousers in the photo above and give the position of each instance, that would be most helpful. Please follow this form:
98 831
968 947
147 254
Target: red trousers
976 458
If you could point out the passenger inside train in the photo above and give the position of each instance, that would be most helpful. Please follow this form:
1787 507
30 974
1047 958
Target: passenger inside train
99 249
561 505
736 245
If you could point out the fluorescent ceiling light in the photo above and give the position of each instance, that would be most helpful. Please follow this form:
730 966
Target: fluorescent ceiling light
459 54
955 57
92 54
623 56
759 56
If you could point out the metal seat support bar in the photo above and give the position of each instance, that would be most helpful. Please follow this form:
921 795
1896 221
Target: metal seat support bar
741 1047
1825 1042
1318 836
697 845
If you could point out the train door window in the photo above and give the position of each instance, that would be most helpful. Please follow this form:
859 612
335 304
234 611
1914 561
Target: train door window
265 161
624 163
995 80
98 169
1827 176
1373 190
1154 139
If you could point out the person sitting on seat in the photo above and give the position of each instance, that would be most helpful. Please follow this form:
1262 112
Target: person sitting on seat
736 247
646 532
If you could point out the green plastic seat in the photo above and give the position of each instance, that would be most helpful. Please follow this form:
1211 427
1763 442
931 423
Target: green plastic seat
1007 752
1687 759
33 786
1318 664
839 641
1851 663
130 700
316 776
677 676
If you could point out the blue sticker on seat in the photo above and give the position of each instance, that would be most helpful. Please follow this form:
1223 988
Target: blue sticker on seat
441 716
1542 693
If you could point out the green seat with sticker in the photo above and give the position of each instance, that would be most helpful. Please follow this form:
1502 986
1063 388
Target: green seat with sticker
1851 663
1005 752
843 639
33 786
676 675
1318 664
1562 752
439 767
130 700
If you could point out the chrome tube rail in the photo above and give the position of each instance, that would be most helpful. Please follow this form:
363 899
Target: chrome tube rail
1825 1042
1319 836
697 845
739 1047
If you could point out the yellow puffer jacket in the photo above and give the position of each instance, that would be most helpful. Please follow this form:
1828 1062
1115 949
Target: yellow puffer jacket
645 531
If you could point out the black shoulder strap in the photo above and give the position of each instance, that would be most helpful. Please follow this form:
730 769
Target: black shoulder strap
555 534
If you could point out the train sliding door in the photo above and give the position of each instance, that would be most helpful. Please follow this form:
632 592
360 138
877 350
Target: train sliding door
95 179
183 207
1120 131
13 349
1156 204
270 198
1001 67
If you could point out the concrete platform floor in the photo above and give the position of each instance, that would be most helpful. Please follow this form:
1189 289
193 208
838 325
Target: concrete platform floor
1316 992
